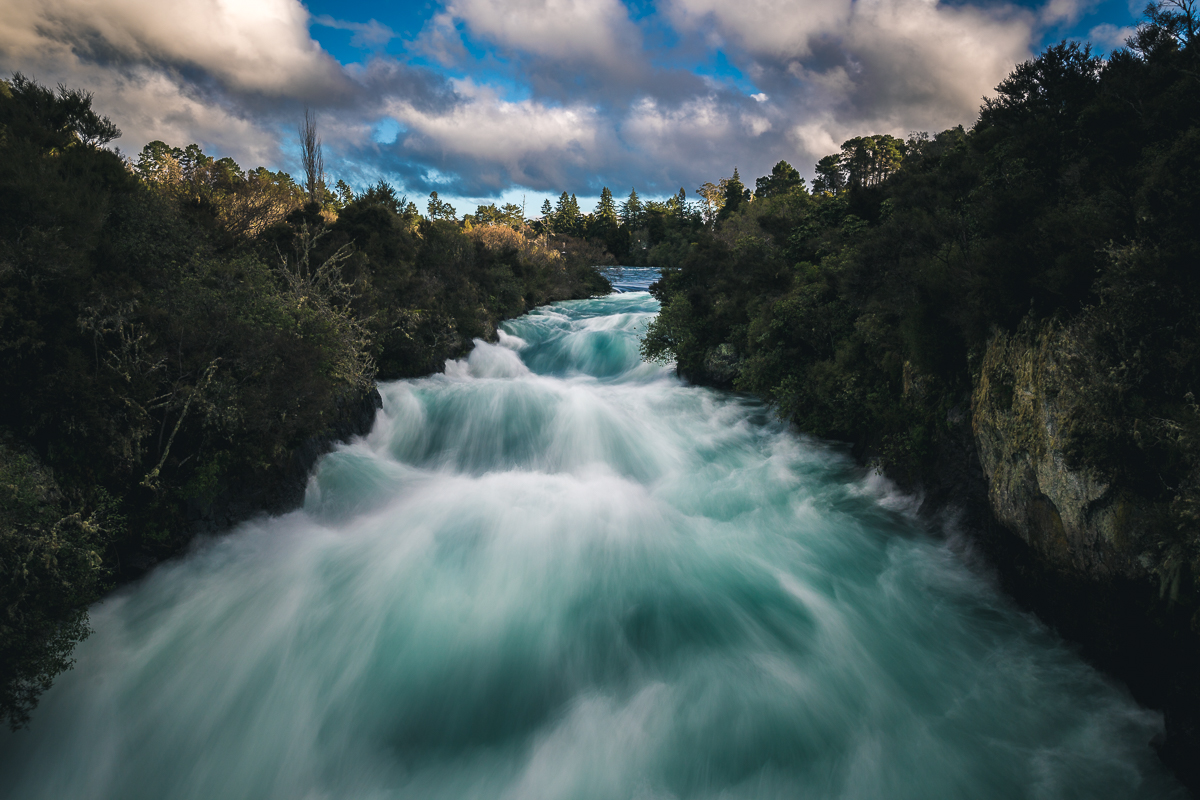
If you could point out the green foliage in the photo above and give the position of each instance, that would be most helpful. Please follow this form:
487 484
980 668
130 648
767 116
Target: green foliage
606 209
567 218
439 209
509 214
735 196
869 160
50 569
830 178
631 209
783 180
243 204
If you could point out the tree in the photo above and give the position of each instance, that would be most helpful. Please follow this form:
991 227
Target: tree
783 179
606 209
677 205
439 209
567 216
869 160
631 209
736 195
158 163
311 158
1168 20
383 194
512 215
60 118
193 162
714 198
830 177
486 215
1041 93
344 193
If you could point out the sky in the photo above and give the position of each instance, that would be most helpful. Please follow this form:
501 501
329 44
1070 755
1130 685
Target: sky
518 100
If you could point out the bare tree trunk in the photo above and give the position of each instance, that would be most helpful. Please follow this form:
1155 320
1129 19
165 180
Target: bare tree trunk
312 158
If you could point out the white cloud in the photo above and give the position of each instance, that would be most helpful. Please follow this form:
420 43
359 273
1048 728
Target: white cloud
846 68
523 138
441 41
755 125
775 28
1065 11
134 55
818 136
690 138
249 45
1109 36
930 64
148 105
591 31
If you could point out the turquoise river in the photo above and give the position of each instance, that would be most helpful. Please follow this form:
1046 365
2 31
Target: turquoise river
556 571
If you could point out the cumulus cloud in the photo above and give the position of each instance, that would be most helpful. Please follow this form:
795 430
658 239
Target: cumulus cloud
441 41
247 45
1066 11
491 142
170 71
232 75
925 62
823 70
571 31
1110 36
773 28
842 68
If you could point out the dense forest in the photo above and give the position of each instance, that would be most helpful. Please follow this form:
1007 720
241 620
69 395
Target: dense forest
180 339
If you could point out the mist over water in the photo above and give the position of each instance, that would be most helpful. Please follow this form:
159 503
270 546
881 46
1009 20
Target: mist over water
558 572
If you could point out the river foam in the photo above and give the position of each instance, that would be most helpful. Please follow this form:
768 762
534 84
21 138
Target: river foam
555 571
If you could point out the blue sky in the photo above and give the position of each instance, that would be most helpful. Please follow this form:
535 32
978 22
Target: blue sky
522 99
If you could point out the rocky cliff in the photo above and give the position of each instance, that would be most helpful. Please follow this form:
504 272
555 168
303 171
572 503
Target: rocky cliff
1030 393
1082 549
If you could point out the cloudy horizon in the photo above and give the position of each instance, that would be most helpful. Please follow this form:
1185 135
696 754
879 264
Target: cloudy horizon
480 99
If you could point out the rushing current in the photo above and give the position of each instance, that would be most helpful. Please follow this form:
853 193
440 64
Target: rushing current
556 571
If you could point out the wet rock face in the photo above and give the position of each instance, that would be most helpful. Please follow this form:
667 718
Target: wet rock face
1027 395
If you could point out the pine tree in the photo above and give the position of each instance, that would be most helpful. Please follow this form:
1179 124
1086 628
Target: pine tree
680 203
631 209
440 209
606 209
736 195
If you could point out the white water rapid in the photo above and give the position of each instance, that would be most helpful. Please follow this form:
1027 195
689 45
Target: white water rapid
556 572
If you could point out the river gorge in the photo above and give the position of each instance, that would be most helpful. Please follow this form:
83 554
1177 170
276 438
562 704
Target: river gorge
557 571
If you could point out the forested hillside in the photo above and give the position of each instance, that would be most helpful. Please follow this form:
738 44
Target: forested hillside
179 340
1010 311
